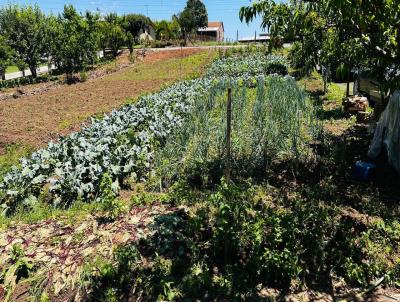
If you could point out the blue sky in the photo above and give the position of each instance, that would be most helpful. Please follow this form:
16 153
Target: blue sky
218 10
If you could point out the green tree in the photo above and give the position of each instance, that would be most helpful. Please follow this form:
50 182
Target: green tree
186 23
5 56
112 34
73 39
191 18
346 33
199 13
134 23
163 30
24 28
376 29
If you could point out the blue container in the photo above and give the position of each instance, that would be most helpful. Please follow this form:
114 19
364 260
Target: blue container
364 171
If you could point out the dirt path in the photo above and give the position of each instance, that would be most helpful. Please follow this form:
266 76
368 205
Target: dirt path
35 120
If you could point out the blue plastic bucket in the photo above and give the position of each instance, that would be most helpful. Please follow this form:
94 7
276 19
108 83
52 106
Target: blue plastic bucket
364 171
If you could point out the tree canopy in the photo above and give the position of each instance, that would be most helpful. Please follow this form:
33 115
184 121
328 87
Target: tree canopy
192 17
74 40
351 33
24 28
5 56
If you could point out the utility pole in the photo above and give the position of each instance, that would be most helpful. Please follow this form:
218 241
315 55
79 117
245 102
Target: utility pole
255 36
237 36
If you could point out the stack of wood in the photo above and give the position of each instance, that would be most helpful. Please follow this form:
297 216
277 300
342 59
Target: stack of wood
357 105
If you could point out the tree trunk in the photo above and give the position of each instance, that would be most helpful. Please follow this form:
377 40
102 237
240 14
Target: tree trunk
33 71
184 39
3 75
348 82
23 72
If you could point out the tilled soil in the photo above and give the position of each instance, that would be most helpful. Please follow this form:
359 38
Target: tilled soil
36 119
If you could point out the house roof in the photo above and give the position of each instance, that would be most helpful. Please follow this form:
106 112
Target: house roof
212 26
215 24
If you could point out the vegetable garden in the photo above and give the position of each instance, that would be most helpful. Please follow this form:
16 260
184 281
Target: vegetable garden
278 227
122 143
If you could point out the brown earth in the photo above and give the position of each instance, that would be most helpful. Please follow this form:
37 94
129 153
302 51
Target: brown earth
34 120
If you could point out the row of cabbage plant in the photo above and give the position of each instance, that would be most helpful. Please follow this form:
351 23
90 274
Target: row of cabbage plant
120 144
252 65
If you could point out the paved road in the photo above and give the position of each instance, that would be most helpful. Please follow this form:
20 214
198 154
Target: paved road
16 75
40 70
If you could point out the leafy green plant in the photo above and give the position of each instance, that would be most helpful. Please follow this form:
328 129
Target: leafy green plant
83 76
108 203
20 268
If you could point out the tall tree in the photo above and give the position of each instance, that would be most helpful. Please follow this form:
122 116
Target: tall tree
113 36
199 13
186 23
191 18
25 32
134 23
74 40
163 30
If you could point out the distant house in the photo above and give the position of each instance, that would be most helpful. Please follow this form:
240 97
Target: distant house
213 32
148 33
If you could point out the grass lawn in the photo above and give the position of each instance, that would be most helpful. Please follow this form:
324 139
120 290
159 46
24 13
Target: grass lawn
12 69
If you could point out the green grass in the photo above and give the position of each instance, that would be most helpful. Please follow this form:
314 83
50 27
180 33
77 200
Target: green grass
336 93
11 157
170 69
42 211
12 69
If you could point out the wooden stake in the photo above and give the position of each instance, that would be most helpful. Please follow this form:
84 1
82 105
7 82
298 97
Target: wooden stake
228 136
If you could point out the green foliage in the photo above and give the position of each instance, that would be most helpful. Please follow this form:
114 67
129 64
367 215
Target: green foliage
20 268
73 40
191 18
5 56
112 33
199 12
228 244
24 28
26 81
133 24
273 122
11 157
83 76
109 206
330 33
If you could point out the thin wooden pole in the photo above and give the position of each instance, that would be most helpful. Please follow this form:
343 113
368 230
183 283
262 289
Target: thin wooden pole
348 81
228 135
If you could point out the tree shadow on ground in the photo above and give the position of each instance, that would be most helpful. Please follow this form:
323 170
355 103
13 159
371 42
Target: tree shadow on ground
331 179
335 114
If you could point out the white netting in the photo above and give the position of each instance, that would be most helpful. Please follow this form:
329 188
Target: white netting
387 133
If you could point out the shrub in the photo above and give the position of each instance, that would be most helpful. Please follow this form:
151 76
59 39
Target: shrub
83 76
26 81
277 68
